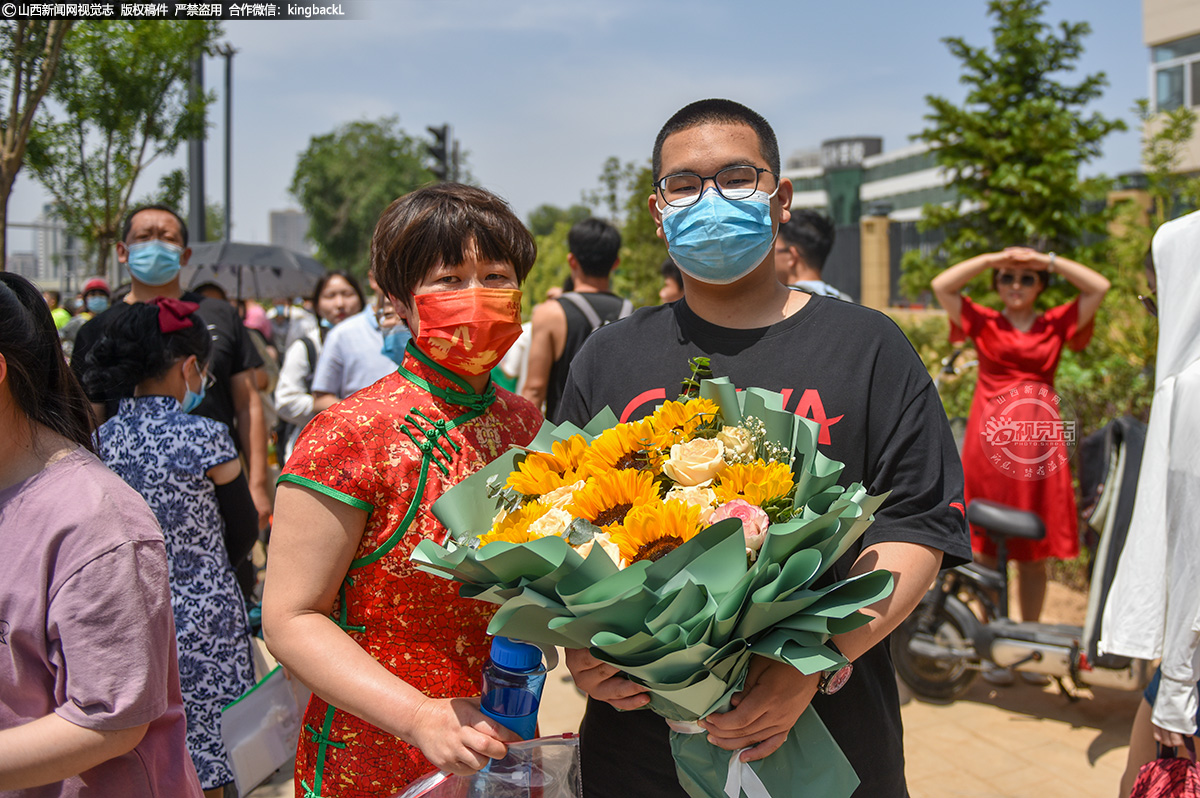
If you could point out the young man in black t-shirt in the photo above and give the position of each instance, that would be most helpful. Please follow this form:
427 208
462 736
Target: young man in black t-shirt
559 327
848 368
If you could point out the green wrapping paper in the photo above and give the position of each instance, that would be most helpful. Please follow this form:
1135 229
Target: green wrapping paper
688 625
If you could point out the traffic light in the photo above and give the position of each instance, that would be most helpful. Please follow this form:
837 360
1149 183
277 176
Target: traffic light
439 150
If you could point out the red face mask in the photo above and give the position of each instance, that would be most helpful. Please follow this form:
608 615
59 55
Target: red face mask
468 331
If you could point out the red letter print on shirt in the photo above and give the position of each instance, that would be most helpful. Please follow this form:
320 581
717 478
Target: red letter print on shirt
810 406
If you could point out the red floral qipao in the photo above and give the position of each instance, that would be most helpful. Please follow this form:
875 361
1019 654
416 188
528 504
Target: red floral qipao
392 449
1015 385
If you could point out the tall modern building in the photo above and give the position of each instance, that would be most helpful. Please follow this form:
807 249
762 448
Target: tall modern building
24 264
1171 29
289 229
59 254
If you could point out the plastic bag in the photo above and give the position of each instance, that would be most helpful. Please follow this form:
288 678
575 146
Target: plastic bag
546 767
1169 776
260 730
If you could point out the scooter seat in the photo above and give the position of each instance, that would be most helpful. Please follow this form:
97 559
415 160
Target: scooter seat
1000 520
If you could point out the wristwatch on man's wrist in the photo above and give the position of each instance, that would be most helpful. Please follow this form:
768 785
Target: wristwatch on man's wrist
1050 265
832 681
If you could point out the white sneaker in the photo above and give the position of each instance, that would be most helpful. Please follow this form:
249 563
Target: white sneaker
994 674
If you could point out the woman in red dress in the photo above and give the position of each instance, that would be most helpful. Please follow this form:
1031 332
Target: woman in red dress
391 654
1014 451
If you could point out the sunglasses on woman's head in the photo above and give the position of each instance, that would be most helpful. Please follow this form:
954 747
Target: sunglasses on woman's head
1026 280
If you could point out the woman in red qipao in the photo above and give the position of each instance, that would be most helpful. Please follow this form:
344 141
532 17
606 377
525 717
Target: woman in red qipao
392 654
1014 450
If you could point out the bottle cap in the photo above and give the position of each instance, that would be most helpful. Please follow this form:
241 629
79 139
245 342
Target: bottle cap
515 656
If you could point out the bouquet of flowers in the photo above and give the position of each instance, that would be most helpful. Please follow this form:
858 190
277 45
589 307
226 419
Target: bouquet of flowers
675 548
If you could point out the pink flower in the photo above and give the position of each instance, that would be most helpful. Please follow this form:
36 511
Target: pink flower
754 520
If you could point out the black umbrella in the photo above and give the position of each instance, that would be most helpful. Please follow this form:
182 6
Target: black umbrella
252 271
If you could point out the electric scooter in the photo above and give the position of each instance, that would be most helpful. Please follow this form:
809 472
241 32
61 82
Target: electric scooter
963 622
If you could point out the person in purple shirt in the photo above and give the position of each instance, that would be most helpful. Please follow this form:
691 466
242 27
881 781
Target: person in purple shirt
89 682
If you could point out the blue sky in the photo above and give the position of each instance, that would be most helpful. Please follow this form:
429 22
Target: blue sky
541 92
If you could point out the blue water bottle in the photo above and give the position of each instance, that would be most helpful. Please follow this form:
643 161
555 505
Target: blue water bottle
512 686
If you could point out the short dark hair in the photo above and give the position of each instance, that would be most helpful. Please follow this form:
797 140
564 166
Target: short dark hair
810 232
595 244
42 385
442 223
718 112
670 271
154 206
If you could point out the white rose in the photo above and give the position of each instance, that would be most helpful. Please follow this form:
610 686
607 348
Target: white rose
561 497
738 442
704 498
604 541
554 522
695 463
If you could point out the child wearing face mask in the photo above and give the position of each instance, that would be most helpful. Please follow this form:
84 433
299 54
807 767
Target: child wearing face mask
393 655
187 470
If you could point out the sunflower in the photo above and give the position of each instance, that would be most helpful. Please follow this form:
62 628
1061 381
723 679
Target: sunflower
677 421
652 530
542 472
607 498
625 446
523 525
758 482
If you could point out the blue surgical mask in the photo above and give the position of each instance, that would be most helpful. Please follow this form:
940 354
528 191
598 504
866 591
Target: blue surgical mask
719 241
394 342
97 304
154 262
191 399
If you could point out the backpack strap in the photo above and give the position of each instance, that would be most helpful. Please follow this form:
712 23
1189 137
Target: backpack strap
586 309
311 349
626 309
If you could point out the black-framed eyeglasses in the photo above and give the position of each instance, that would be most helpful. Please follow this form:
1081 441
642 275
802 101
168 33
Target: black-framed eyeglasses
1026 280
1150 304
682 189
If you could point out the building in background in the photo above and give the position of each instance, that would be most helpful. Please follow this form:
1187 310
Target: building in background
1171 29
24 264
289 229
59 262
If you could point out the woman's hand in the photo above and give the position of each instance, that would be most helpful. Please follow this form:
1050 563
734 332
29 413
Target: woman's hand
456 737
1167 737
774 698
603 682
1026 258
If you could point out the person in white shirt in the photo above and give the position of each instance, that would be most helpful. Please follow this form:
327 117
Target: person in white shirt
337 297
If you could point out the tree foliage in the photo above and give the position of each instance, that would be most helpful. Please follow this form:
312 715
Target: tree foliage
29 57
345 180
122 101
1013 149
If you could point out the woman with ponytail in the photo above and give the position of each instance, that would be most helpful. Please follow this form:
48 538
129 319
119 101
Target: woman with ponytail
186 468
89 680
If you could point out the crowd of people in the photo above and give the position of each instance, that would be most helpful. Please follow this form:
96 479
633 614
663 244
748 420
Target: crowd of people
129 602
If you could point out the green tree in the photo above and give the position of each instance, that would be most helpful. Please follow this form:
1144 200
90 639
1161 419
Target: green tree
642 251
29 56
1014 147
122 97
544 218
345 180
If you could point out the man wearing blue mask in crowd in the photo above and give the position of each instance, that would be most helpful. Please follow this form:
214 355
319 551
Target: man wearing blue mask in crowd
718 202
154 249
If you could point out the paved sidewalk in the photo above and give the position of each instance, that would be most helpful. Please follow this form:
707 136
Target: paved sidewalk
996 742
